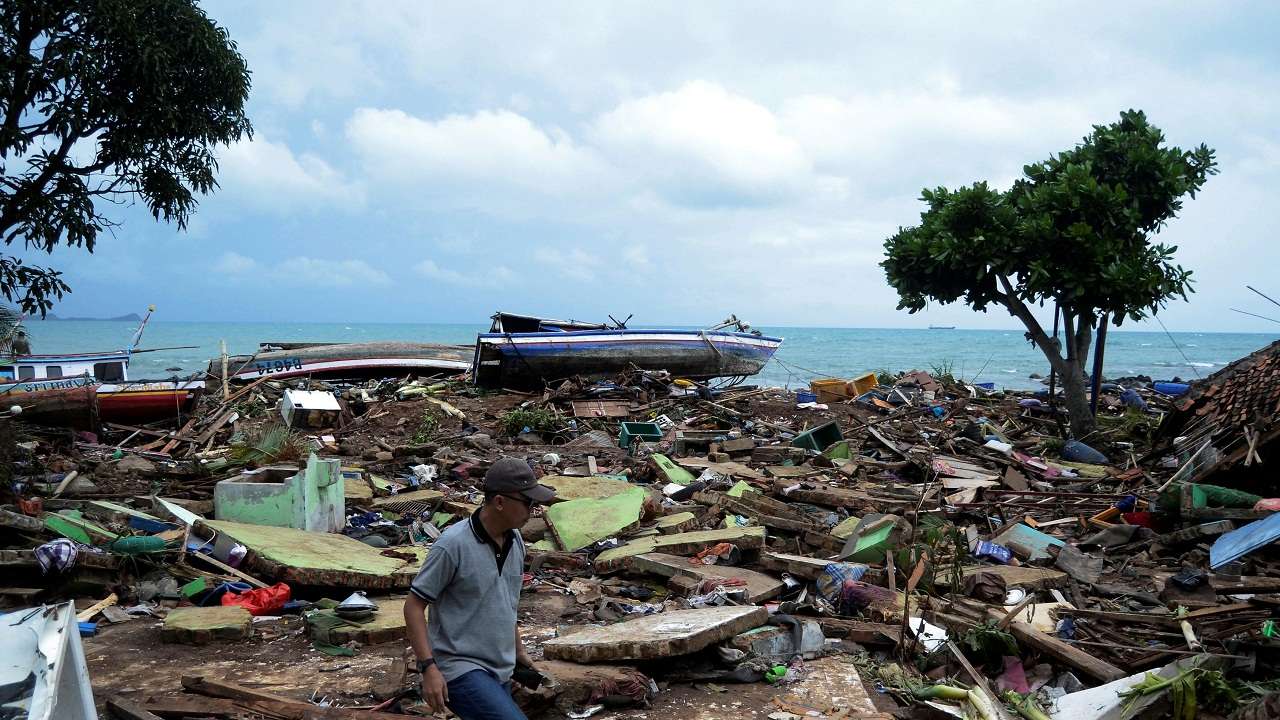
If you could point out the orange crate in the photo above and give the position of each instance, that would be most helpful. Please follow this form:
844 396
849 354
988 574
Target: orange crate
829 391
863 383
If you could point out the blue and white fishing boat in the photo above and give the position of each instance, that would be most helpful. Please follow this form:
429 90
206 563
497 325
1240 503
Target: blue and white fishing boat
524 351
49 386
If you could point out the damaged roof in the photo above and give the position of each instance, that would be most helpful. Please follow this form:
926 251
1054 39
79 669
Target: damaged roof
1242 394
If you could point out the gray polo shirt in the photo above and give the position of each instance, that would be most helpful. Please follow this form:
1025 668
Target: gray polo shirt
473 588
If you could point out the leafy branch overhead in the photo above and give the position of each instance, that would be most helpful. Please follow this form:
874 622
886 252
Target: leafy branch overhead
110 101
1077 232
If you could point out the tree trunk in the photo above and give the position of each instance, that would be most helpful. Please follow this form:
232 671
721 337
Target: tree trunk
1078 334
1075 393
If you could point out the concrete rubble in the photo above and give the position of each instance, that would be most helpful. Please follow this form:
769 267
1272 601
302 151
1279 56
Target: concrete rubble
895 546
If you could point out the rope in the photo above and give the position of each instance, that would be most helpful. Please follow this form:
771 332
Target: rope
1175 345
805 369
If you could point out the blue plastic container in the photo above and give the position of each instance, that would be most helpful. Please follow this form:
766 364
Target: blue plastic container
1171 388
804 396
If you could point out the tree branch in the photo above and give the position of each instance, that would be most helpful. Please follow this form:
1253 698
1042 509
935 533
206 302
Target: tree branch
1016 307
13 205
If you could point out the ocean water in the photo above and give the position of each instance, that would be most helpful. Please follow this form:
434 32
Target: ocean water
1000 356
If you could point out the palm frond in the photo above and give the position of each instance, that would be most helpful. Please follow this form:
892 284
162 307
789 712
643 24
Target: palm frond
10 327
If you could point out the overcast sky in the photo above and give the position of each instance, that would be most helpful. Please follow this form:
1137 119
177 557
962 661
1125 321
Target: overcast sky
433 161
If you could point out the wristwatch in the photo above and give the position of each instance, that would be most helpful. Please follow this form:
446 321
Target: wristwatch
425 663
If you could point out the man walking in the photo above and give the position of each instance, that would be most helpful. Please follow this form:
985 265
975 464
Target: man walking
469 647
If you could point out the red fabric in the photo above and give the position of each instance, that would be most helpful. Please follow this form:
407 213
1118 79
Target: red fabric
260 601
1144 518
1269 504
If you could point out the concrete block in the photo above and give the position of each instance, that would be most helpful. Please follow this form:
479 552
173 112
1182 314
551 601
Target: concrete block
320 559
668 634
386 625
578 488
200 625
778 642
760 587
689 543
738 445
582 522
313 499
676 523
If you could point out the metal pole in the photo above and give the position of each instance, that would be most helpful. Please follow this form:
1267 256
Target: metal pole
1098 352
226 389
1053 374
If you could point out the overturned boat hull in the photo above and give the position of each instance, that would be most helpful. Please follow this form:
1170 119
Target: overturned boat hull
536 358
347 361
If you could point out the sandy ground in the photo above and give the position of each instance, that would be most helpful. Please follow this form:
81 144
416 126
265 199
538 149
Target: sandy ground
129 660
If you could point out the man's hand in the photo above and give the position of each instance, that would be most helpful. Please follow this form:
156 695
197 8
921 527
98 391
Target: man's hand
434 689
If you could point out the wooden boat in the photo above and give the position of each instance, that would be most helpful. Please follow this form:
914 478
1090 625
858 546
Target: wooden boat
73 407
525 351
117 398
147 400
340 361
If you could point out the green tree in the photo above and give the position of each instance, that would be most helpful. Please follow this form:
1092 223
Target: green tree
1076 232
102 103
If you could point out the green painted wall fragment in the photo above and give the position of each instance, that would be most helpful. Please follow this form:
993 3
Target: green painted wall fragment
579 523
672 472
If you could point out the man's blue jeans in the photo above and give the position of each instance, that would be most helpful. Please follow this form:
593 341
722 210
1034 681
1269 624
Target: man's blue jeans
478 695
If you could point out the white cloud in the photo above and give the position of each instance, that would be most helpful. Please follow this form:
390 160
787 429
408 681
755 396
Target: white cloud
232 263
489 147
705 144
269 176
302 271
637 257
344 273
573 263
487 277
941 132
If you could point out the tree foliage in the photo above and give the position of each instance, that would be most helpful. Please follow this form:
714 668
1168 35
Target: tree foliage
106 102
1076 232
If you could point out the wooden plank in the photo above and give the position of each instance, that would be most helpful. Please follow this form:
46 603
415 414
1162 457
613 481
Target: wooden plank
188 706
178 436
272 705
981 681
215 426
230 570
123 709
87 614
1061 651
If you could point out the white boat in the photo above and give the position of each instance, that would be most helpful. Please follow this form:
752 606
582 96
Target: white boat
42 668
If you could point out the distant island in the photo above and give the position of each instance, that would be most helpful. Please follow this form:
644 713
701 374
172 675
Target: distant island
131 317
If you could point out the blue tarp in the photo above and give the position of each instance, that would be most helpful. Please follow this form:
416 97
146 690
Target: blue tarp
1242 541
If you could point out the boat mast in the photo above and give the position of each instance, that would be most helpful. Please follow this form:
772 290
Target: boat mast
137 336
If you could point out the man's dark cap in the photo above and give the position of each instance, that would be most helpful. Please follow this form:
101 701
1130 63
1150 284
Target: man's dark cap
512 475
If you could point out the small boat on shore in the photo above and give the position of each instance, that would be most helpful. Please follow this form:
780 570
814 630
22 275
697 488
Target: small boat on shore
73 407
42 385
345 361
527 351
